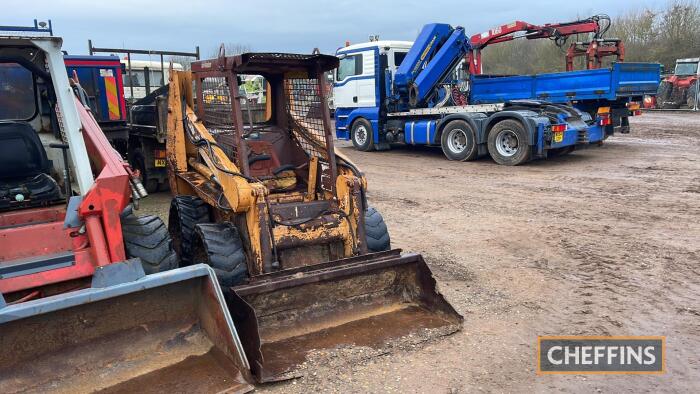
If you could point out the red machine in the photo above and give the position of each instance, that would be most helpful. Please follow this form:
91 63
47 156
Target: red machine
680 89
594 50
63 188
84 306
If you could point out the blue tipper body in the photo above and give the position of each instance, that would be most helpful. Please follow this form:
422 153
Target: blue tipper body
619 81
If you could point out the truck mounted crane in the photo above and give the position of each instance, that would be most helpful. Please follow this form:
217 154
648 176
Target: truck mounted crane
401 92
593 50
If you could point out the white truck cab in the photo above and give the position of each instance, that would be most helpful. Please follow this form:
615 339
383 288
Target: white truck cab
359 81
354 81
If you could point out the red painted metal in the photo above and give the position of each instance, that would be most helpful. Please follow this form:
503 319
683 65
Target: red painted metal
22 242
29 216
39 232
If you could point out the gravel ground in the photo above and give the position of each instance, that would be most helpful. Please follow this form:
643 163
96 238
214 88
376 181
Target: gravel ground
605 241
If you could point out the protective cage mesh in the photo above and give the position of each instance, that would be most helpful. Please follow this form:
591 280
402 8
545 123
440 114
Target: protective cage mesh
305 115
217 113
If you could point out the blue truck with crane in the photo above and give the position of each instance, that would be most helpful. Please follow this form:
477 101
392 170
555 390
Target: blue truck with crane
421 93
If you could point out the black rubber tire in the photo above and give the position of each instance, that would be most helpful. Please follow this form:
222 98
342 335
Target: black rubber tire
663 93
678 97
219 245
185 213
357 126
147 238
377 233
521 155
452 128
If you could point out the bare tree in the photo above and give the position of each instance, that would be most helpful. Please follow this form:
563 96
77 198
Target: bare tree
649 35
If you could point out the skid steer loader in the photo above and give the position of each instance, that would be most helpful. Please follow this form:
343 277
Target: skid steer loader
282 218
77 311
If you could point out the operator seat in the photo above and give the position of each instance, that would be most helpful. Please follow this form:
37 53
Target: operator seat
24 168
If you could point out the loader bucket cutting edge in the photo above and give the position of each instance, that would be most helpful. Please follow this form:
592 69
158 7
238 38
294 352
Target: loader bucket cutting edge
370 300
166 332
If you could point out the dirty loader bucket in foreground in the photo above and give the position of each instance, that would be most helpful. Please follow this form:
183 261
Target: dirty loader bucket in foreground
370 300
166 332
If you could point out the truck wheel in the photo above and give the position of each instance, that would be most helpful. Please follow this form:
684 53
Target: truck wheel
147 238
219 246
508 143
185 213
362 135
458 141
377 233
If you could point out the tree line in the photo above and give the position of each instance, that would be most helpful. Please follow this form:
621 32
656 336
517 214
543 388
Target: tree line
649 35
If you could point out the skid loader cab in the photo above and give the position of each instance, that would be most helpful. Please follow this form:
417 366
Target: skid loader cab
264 199
293 201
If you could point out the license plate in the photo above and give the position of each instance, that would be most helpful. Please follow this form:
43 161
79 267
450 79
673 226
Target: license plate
559 137
160 162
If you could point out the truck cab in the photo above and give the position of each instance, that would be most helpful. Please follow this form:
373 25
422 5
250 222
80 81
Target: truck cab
358 79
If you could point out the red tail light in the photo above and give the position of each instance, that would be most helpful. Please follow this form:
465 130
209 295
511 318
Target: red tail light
558 128
637 112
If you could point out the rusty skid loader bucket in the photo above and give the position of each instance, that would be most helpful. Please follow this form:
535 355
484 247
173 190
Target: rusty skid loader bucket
166 332
369 300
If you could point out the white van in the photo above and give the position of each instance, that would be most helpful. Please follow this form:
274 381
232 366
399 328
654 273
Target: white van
145 77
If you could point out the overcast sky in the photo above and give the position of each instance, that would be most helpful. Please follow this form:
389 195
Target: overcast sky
279 25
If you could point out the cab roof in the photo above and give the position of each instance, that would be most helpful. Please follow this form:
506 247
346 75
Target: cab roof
377 44
268 63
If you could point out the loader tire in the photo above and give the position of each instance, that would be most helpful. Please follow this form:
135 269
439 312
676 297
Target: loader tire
147 238
219 245
508 143
185 213
362 135
377 233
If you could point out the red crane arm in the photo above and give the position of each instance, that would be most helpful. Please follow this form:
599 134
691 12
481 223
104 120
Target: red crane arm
508 32
593 51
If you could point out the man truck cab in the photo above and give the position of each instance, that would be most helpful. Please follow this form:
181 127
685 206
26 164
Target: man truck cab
355 91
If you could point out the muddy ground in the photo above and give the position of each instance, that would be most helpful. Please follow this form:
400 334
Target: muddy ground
605 241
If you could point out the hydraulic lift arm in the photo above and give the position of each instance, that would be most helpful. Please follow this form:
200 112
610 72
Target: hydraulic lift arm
436 51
